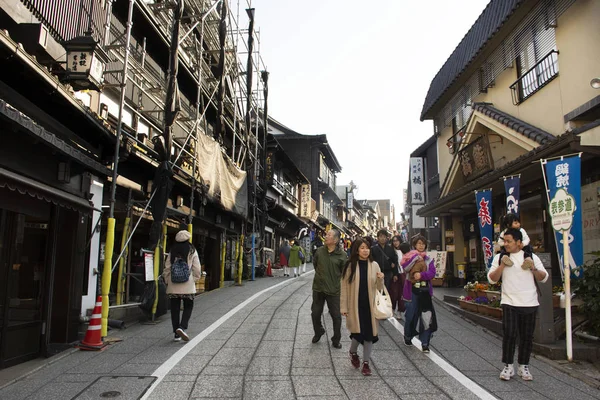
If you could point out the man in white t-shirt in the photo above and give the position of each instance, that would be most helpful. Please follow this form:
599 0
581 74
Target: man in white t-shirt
519 303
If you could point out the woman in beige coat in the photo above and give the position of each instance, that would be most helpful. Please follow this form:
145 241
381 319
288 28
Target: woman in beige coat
182 250
360 279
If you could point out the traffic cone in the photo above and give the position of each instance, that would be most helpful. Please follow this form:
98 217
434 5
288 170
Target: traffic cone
269 271
93 338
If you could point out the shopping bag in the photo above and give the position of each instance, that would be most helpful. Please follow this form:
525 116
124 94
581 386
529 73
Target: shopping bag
383 305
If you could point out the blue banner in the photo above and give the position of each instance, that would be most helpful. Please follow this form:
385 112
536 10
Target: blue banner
484 213
566 174
512 187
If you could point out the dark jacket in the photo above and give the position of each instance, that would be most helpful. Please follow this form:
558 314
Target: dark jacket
385 258
328 270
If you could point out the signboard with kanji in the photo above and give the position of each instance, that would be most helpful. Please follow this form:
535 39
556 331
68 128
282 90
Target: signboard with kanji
417 183
562 207
269 166
305 209
439 260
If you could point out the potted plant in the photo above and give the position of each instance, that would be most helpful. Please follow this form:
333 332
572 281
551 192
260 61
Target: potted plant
470 289
494 308
466 303
494 290
480 289
482 302
587 290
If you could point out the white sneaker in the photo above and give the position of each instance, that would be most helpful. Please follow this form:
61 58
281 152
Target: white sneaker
507 372
181 333
524 373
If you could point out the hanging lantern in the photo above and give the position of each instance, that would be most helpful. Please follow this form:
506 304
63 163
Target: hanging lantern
86 61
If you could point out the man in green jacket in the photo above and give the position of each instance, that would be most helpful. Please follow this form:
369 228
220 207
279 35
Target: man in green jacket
329 261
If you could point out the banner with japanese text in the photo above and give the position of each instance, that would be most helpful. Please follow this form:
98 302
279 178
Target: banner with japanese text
484 214
566 174
512 187
417 183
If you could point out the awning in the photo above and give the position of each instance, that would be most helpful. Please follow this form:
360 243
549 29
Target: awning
41 191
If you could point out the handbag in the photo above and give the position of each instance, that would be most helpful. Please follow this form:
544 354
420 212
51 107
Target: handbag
383 305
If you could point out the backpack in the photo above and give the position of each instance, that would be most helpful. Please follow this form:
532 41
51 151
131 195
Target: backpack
180 271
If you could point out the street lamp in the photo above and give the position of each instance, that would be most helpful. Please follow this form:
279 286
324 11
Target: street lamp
86 61
595 83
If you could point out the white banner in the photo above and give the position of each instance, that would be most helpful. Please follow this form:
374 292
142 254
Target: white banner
350 200
416 221
439 260
305 210
417 183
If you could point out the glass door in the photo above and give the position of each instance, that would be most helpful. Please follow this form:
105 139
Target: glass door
23 267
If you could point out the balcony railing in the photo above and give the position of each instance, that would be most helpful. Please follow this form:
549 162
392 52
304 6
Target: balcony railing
536 78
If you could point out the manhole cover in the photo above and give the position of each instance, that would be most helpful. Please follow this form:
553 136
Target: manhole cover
111 394
116 387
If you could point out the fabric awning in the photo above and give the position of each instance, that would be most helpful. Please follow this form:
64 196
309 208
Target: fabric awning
41 191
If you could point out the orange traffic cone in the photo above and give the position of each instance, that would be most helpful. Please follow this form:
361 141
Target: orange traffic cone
269 271
93 338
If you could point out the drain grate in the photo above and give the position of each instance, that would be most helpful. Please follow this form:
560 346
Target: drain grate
116 387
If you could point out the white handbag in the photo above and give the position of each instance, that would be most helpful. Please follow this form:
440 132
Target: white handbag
383 305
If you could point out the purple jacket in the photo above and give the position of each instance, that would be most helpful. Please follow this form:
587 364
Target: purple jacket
425 276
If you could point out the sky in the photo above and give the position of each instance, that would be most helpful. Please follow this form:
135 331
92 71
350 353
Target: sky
359 71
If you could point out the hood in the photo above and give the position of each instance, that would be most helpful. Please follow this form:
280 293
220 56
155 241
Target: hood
182 236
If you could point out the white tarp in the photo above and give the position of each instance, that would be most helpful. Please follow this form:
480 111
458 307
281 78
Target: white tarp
222 177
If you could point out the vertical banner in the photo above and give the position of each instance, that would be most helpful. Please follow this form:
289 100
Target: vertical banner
305 197
565 173
417 184
484 213
350 200
512 187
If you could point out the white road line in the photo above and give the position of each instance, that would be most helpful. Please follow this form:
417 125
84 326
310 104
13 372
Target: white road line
453 372
168 365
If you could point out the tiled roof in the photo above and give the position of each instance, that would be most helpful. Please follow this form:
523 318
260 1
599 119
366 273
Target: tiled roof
527 130
496 13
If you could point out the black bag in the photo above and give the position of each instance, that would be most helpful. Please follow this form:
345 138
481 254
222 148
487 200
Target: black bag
147 300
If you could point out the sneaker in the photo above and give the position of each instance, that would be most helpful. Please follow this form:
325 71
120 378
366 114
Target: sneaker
181 333
317 336
407 342
524 373
354 360
507 261
425 349
527 264
507 372
337 345
176 338
366 371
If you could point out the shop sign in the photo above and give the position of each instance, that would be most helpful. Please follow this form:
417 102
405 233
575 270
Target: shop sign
418 222
564 175
417 184
439 260
305 197
512 187
484 213
269 166
475 159
350 200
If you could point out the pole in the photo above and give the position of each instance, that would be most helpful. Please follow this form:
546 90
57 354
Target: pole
122 261
253 253
240 259
223 248
567 275
110 230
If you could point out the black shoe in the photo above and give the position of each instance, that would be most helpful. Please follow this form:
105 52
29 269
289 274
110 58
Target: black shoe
407 342
425 349
317 336
337 345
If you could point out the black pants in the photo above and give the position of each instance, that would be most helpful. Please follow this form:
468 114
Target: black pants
517 321
333 303
188 306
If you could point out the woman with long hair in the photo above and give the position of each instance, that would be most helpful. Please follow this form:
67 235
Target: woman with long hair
361 277
183 256
398 284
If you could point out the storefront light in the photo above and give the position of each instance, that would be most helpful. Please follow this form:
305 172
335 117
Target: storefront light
86 61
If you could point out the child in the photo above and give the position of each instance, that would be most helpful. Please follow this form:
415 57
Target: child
512 221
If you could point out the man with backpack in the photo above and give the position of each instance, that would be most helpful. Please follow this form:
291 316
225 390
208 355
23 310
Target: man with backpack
182 269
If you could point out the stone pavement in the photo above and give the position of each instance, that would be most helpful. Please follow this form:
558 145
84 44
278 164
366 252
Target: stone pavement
264 351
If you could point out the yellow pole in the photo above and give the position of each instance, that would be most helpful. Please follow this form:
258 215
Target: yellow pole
240 260
191 231
120 282
569 333
223 248
107 273
157 255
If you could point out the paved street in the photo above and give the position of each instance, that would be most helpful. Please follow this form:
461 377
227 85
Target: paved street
252 344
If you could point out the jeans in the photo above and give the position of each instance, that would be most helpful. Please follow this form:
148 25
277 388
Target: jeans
412 320
188 305
333 303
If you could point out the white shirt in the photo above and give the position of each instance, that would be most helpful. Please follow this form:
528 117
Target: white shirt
518 287
525 240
